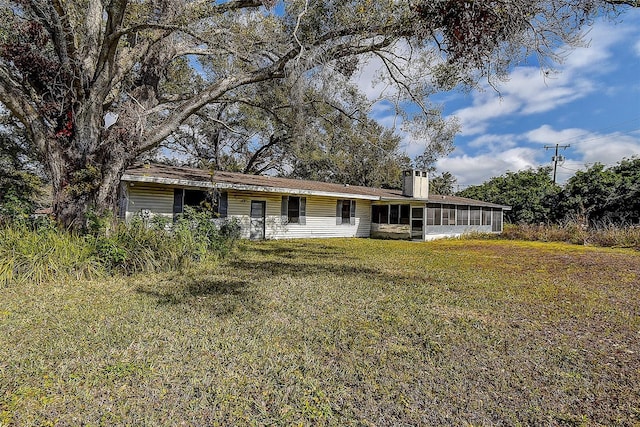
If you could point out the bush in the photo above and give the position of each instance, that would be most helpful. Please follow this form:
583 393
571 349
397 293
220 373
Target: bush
39 252
611 235
44 254
161 245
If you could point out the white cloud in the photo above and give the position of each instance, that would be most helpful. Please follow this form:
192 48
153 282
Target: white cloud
486 106
545 134
526 92
636 48
494 143
503 153
529 91
590 147
474 170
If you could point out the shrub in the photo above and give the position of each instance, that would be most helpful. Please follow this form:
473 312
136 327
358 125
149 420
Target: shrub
42 254
39 252
612 235
161 245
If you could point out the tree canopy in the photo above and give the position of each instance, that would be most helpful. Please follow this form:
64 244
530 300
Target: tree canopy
604 195
598 195
149 66
531 194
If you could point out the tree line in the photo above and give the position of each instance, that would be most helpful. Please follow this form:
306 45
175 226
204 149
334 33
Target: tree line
598 195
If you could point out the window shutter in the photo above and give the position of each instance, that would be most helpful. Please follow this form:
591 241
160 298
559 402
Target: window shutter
303 211
284 210
352 220
223 206
178 202
338 212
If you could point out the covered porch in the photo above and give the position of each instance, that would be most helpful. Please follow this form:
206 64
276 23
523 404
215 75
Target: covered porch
411 220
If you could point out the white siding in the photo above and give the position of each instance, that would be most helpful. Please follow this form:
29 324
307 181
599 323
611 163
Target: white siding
239 207
155 198
320 215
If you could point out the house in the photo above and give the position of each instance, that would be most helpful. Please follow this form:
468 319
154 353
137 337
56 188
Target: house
270 207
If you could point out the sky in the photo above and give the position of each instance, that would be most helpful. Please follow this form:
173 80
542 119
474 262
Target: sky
592 104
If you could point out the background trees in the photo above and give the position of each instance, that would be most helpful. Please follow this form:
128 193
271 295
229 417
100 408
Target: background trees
66 66
595 196
531 194
21 177
603 195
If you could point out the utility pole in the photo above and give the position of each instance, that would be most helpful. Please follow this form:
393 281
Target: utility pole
556 158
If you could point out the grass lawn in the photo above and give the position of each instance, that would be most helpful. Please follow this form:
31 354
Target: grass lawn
335 332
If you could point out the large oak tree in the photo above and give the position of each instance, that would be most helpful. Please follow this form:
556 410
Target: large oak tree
67 66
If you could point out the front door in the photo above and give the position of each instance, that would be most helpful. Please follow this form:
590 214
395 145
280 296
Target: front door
256 229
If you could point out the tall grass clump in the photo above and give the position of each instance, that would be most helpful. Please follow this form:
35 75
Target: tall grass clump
43 253
609 235
603 235
161 245
39 253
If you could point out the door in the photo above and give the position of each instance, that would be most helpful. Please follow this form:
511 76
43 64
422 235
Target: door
256 228
496 221
417 222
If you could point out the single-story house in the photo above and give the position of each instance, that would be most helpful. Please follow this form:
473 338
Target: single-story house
269 207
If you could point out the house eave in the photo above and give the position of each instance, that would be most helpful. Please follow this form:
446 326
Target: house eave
243 187
167 181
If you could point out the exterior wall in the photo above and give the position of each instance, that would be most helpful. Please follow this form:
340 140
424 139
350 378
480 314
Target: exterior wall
320 217
441 231
391 231
157 199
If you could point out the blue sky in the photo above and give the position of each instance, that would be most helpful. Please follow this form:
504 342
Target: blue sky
592 103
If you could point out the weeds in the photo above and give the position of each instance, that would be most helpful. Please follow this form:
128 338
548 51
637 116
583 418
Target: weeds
42 253
602 235
46 254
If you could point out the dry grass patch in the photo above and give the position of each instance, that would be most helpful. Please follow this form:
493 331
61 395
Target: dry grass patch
335 332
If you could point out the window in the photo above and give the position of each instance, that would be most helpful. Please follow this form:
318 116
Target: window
486 216
212 201
416 222
345 212
448 215
379 214
195 198
434 214
463 215
404 214
384 214
391 214
474 218
293 210
394 214
375 214
496 222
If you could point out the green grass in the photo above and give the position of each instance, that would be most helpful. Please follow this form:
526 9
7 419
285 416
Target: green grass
335 332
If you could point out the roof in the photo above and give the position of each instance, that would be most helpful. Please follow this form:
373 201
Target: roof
200 178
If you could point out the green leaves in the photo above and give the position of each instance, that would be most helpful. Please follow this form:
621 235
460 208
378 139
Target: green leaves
600 195
531 194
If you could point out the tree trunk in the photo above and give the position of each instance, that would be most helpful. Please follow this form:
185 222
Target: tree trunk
86 183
